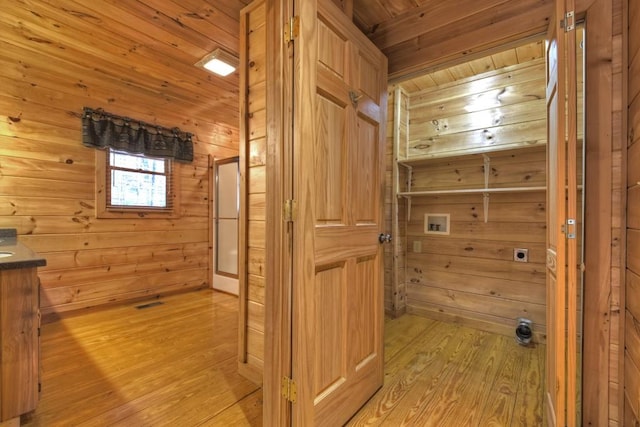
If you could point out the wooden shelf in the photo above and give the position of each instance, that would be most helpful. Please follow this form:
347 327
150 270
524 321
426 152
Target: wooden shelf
485 191
480 152
470 191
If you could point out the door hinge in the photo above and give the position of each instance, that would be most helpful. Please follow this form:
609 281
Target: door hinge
289 210
570 228
289 389
569 21
292 29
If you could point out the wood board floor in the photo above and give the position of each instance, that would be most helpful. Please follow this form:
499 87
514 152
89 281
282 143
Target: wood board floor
172 364
175 364
445 375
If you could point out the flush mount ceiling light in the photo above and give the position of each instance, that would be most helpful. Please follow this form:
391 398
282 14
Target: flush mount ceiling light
219 62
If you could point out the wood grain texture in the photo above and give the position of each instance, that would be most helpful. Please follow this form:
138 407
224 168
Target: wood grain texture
279 185
117 360
418 35
470 276
44 86
598 228
488 112
113 366
253 112
133 59
630 313
448 375
20 351
395 208
339 116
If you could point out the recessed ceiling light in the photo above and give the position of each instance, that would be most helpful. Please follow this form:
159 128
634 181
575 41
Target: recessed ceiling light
219 62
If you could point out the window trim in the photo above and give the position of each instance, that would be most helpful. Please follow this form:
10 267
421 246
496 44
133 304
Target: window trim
103 210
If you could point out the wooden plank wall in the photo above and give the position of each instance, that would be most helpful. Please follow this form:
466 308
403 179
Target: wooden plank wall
632 309
470 276
497 110
604 231
253 189
47 177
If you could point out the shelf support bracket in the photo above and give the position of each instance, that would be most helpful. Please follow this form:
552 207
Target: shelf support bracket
409 177
485 195
485 205
408 198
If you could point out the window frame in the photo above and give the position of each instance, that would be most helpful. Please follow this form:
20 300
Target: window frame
105 210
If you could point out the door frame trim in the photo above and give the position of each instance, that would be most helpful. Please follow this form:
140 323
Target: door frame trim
598 224
279 187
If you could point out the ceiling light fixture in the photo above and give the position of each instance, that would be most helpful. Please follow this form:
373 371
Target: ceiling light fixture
219 62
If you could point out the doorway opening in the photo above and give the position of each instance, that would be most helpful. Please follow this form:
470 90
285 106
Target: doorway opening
226 201
470 143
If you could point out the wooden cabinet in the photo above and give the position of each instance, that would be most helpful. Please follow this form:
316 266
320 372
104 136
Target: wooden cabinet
19 346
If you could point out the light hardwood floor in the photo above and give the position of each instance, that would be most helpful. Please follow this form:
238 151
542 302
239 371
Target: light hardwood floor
441 374
174 364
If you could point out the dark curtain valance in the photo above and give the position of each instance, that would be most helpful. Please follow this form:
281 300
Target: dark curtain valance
101 130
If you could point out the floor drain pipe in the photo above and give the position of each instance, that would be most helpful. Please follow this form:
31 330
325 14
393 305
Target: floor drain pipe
524 331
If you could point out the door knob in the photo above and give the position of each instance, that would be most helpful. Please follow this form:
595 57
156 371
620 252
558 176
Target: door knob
382 238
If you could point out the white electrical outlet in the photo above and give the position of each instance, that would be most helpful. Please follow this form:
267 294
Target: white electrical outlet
417 246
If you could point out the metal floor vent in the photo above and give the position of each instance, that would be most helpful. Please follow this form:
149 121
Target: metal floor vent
151 304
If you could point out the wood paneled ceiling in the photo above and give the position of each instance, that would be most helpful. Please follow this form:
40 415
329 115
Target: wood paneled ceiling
506 58
151 45
418 35
154 44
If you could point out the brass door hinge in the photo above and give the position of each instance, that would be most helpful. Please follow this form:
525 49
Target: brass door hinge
289 389
289 210
292 29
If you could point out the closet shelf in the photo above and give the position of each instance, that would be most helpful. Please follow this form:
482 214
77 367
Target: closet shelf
485 191
416 161
470 191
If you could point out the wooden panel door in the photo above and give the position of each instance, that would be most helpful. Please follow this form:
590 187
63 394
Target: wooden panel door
560 394
338 144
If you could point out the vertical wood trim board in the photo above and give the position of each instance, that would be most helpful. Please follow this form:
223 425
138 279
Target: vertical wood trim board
252 242
279 188
631 311
391 202
598 225
395 209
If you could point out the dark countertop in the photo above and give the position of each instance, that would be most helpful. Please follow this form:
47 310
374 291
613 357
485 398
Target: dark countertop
21 257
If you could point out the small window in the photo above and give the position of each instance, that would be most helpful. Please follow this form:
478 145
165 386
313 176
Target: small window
135 185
